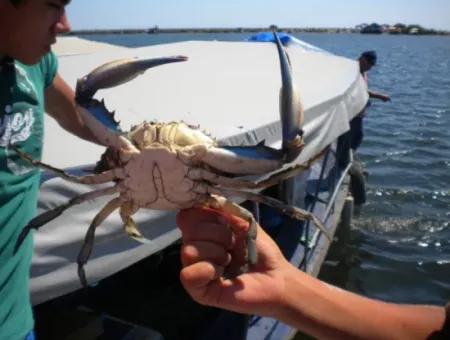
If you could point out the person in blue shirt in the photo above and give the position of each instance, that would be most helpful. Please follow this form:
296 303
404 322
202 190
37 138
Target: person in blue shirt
29 86
366 60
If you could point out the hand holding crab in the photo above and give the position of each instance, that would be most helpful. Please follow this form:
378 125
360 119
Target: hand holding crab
171 166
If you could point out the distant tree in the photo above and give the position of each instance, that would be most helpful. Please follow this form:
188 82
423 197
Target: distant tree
400 25
416 26
373 28
273 28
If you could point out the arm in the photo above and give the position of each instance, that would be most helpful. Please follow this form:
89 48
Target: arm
376 95
329 312
60 104
277 289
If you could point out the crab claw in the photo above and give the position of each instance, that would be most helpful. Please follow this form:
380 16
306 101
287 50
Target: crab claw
291 110
264 158
115 73
97 118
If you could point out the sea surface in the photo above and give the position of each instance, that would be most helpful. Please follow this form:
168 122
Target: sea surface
399 247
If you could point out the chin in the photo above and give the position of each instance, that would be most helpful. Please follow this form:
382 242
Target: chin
30 59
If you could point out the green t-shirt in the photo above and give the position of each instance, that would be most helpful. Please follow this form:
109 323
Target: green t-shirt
22 125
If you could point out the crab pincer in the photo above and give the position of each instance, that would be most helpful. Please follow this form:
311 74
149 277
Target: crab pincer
115 73
291 110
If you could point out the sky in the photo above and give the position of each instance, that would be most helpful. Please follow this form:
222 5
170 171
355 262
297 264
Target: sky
106 14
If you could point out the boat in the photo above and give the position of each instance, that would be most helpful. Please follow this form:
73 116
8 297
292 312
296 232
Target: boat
230 89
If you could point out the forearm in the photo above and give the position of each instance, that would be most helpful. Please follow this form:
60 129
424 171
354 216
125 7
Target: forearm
327 312
75 125
61 105
378 95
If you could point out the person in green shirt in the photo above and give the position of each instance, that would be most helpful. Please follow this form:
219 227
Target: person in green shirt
29 86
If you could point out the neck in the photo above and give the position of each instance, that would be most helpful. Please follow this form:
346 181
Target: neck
4 59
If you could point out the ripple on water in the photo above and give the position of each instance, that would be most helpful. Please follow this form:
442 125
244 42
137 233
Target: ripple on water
394 258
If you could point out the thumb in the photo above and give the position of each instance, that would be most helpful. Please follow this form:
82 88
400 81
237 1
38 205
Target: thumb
197 278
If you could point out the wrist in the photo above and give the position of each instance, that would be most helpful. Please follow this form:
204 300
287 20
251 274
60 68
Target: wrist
274 302
314 307
292 290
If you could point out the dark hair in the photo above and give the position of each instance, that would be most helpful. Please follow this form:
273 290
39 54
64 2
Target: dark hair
18 2
370 56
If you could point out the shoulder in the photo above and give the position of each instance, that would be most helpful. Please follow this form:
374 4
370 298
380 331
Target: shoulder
42 72
48 66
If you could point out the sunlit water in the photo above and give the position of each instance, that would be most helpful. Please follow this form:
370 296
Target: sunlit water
399 247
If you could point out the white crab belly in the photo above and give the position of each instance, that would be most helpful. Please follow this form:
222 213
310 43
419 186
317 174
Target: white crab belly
156 179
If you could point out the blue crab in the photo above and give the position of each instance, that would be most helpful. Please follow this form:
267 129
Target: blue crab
171 166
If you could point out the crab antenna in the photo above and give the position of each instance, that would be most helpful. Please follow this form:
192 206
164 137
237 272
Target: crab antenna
291 112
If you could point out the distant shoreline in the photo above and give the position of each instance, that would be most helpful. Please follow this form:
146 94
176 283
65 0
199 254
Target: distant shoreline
156 30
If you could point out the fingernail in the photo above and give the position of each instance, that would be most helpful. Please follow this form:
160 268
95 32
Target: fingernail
228 260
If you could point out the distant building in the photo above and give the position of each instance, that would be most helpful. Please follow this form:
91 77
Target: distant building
372 29
394 30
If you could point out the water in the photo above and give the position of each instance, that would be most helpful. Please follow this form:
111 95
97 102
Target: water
399 248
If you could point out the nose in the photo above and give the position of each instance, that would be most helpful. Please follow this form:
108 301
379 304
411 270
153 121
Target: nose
63 25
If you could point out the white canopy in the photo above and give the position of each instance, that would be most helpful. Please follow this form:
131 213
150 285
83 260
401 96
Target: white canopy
231 89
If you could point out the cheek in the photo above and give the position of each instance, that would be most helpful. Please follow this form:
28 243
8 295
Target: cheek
30 48
32 33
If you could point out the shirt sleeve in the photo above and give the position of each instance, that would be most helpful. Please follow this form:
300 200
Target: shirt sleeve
49 67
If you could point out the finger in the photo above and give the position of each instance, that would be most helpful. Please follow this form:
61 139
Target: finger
210 232
197 277
204 251
187 218
236 223
238 263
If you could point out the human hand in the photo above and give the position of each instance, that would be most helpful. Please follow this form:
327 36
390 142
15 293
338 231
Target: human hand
385 98
213 250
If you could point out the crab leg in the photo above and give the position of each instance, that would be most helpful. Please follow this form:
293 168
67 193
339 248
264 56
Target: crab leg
293 212
221 203
126 211
283 175
199 174
234 160
236 183
94 114
86 249
49 215
104 177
